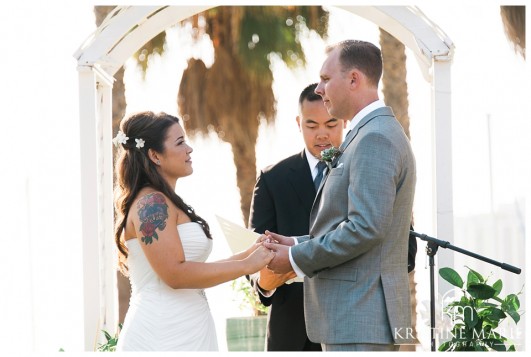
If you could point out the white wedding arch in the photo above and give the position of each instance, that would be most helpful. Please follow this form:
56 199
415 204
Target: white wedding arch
122 33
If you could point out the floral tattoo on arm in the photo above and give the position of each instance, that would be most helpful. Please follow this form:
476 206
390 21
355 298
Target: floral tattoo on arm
153 213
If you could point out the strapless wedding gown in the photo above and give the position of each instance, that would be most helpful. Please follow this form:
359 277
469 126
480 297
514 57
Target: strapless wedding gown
161 318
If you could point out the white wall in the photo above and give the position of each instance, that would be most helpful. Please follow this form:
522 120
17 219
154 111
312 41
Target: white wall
40 258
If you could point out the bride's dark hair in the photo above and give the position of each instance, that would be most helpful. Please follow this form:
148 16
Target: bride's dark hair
134 171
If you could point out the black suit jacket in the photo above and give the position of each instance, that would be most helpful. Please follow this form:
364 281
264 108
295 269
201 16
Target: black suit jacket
282 201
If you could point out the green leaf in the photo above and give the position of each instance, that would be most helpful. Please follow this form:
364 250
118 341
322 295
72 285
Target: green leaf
476 277
107 335
483 304
496 344
471 317
489 324
480 347
445 346
514 315
472 279
512 301
498 285
451 276
493 314
481 291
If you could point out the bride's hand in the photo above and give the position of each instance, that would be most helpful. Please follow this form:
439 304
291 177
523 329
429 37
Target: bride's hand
258 259
257 243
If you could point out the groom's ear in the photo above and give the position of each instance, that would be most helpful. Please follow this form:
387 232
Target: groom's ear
355 78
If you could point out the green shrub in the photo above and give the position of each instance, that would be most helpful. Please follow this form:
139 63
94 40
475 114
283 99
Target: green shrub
112 341
478 313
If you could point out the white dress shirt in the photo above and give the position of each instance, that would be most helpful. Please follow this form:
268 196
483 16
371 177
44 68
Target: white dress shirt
312 163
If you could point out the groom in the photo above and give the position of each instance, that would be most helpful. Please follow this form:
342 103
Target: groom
356 294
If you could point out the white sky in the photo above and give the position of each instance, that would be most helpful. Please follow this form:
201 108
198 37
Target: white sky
40 212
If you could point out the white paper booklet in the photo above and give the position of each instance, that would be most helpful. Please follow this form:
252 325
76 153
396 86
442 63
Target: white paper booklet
239 238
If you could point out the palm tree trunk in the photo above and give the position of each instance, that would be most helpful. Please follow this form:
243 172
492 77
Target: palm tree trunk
394 77
243 150
513 19
395 94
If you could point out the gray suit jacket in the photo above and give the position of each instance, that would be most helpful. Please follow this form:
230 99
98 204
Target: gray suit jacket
355 258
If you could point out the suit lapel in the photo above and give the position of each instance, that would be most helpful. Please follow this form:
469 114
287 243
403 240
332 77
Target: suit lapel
384 111
301 180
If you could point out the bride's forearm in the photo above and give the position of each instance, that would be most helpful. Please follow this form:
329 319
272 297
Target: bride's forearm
196 275
241 255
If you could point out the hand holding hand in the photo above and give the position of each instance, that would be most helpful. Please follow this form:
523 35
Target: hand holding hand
280 264
258 259
257 243
277 238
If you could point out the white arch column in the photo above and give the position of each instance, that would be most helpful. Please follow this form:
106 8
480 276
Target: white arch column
442 152
99 278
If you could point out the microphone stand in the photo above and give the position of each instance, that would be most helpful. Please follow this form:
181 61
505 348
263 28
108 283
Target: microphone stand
431 249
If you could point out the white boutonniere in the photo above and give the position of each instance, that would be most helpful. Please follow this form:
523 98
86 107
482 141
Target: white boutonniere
330 156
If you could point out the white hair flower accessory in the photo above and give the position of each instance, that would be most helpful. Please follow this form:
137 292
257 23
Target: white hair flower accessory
139 143
120 138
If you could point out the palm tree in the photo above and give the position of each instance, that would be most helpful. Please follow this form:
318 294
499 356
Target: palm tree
396 96
235 93
394 77
513 18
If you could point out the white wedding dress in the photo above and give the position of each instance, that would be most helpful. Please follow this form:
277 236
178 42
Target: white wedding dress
161 318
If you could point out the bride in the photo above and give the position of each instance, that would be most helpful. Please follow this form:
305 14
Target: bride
163 244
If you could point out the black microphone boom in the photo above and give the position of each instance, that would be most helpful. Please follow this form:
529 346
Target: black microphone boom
445 244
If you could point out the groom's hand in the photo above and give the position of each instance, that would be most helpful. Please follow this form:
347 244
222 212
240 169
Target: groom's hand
280 264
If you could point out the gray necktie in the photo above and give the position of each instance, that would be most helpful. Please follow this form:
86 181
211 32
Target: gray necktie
317 180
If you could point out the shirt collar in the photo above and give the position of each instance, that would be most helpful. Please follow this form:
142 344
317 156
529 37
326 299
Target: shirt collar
312 162
362 113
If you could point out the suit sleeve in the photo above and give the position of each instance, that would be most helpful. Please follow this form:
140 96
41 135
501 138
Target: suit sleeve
261 218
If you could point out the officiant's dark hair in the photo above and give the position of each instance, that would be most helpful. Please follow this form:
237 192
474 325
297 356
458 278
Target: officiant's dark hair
134 171
309 94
